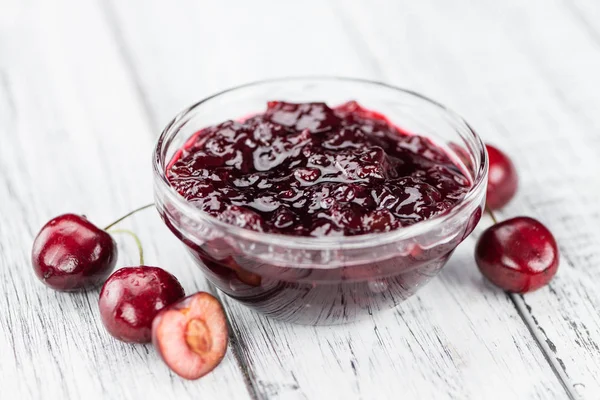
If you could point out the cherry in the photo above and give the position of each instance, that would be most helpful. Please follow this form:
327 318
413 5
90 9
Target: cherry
502 178
191 335
131 298
71 253
518 255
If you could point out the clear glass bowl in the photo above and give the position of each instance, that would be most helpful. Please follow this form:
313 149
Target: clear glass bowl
326 280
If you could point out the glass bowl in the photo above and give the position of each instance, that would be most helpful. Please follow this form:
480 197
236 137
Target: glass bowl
325 280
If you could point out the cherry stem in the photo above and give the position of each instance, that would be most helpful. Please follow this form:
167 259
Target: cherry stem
137 241
491 213
128 215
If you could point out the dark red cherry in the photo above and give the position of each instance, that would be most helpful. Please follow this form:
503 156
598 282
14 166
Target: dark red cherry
502 179
191 335
131 298
518 255
71 253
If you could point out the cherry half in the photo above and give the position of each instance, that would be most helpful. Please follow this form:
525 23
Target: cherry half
518 255
502 179
71 253
191 335
131 298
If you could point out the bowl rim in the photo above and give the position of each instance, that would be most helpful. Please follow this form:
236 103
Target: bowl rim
326 242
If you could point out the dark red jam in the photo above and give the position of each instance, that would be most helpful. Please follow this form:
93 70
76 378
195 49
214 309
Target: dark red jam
311 170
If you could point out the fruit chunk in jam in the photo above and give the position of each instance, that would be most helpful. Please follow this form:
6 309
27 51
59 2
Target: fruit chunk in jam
310 170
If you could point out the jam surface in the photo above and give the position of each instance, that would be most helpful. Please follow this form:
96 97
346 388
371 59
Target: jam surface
311 170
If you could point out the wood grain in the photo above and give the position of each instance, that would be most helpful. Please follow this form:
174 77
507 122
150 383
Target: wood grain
85 88
74 138
421 349
529 85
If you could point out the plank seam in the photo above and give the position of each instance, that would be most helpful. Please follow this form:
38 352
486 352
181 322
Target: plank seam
130 69
554 362
109 15
247 373
587 27
544 344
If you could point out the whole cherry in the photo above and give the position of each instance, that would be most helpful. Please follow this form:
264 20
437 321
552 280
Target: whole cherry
131 298
518 255
502 178
191 335
71 253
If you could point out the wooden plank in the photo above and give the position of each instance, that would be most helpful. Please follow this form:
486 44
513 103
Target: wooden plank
530 85
456 338
74 138
209 47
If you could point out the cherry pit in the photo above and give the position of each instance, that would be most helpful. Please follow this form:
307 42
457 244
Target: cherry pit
143 304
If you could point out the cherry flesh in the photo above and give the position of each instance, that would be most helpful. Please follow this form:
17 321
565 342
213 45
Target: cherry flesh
518 255
502 179
131 298
71 253
191 335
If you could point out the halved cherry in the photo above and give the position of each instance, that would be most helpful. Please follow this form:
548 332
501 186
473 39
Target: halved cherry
191 335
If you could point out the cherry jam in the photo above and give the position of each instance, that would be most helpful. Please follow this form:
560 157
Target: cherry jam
309 170
313 171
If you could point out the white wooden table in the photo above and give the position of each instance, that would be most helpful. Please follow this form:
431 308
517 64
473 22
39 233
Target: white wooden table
87 85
